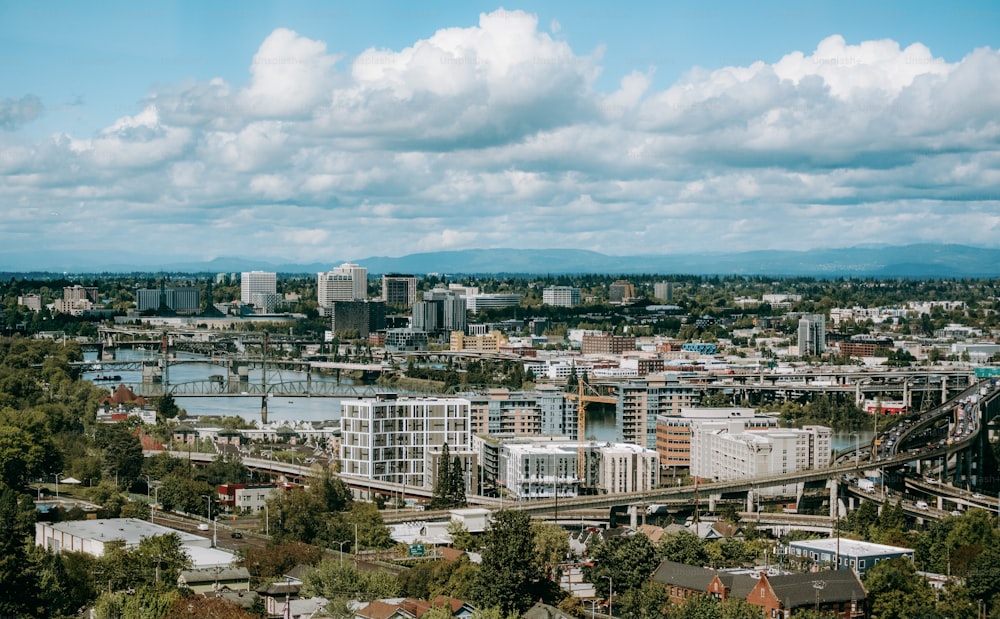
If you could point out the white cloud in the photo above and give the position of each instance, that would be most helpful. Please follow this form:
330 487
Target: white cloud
494 135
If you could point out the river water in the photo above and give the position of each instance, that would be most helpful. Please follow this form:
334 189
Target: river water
600 425
600 422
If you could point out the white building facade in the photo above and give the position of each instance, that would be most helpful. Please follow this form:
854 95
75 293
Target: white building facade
348 282
538 468
723 451
257 282
562 296
389 439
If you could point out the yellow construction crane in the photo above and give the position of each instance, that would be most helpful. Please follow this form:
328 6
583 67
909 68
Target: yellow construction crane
582 399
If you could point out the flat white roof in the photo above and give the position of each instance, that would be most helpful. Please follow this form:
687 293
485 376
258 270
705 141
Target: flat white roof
130 530
202 558
851 547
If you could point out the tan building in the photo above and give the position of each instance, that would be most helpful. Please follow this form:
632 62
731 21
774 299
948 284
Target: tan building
491 342
504 412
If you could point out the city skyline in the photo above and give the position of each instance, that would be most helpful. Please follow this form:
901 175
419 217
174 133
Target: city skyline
321 133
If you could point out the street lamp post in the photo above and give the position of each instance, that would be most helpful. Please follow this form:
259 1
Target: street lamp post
57 476
857 447
342 551
208 498
156 501
611 596
267 521
593 603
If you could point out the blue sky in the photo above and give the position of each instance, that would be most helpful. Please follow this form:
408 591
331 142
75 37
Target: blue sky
305 131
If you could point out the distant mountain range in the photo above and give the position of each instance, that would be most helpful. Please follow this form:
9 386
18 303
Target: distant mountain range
913 261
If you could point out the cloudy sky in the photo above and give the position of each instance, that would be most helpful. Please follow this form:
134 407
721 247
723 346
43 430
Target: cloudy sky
305 132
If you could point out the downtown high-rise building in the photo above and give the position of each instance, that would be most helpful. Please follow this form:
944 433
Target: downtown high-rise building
399 289
348 282
812 335
257 282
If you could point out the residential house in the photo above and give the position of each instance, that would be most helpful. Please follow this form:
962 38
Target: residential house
411 608
205 580
837 592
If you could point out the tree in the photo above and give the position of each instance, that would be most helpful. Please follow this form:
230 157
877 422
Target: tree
160 558
628 560
166 407
200 607
697 607
333 579
272 561
456 494
551 548
26 447
684 547
508 575
442 483
122 452
897 591
15 582
460 536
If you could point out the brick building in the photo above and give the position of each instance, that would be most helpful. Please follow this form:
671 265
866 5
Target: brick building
837 592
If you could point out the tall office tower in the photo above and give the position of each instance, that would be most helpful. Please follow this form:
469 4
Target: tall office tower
348 282
812 335
441 310
399 289
621 291
562 296
257 282
664 291
365 317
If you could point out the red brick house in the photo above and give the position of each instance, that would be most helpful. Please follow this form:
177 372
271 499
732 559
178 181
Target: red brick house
839 592
684 581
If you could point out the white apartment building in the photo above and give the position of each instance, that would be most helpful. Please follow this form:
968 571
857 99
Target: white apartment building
722 451
257 282
540 467
562 296
389 439
348 282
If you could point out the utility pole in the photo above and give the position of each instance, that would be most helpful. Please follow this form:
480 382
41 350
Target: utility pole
263 379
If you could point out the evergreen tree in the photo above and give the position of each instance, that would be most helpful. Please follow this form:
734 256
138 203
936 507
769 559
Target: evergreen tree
443 483
456 494
508 576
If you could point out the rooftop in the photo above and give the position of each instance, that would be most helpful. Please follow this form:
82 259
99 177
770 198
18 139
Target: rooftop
130 530
850 547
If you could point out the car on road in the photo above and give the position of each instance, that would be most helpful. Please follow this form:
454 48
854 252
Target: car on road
976 495
921 505
203 527
236 535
